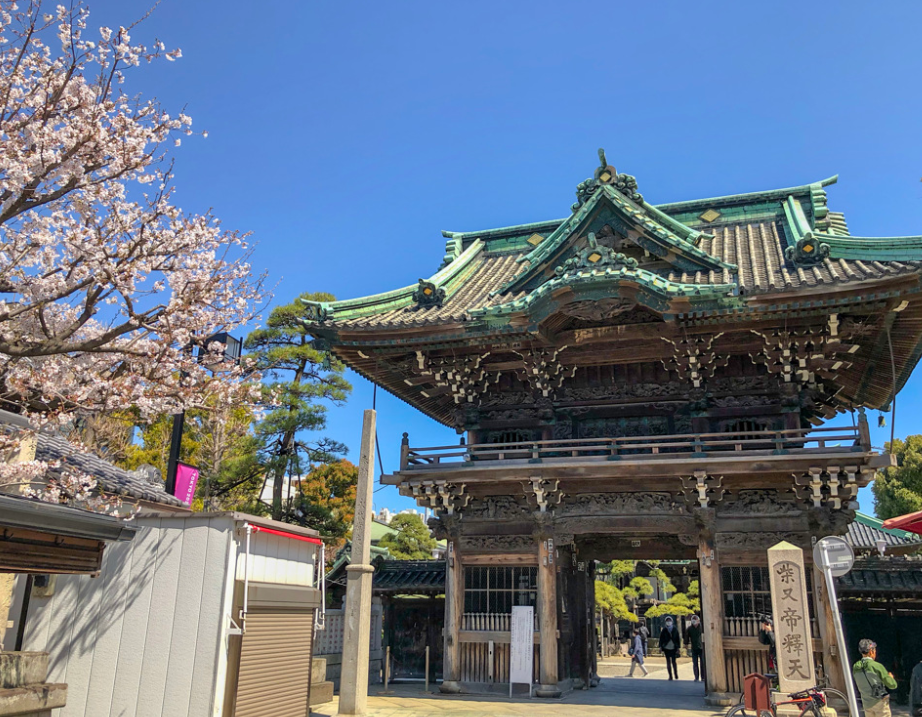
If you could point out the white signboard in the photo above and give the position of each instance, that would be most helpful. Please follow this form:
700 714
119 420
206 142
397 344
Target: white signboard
521 662
835 555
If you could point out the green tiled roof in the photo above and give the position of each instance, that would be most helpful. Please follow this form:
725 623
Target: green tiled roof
713 253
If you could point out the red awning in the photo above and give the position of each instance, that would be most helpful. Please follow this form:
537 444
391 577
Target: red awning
911 522
282 533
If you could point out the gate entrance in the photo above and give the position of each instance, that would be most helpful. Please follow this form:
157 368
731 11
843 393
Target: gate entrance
640 382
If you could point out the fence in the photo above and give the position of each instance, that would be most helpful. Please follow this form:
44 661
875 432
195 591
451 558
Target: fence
329 641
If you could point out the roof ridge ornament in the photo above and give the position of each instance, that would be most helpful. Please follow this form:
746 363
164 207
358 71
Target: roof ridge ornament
606 174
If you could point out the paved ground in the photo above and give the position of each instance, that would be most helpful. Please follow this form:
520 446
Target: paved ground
652 696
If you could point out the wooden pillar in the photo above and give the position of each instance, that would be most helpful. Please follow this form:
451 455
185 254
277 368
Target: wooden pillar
712 618
454 610
547 618
832 655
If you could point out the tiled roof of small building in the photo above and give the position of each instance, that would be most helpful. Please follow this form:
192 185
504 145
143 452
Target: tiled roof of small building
409 576
899 577
865 531
50 447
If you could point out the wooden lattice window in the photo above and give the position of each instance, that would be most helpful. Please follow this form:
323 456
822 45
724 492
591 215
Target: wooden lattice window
496 589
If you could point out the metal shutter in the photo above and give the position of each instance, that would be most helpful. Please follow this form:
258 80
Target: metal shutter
275 663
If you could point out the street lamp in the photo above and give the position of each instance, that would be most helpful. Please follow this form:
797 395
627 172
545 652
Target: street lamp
232 352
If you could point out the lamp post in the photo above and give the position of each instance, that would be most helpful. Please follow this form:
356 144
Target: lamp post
232 352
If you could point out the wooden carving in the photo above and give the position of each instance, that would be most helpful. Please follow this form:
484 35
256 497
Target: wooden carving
694 359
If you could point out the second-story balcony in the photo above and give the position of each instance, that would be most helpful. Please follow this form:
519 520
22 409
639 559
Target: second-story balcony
848 447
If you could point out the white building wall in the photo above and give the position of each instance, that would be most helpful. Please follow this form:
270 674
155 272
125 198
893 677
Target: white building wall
144 638
278 560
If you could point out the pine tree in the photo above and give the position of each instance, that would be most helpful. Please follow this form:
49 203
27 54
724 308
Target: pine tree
302 377
413 541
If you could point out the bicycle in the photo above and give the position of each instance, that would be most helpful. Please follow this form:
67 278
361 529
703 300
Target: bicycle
811 703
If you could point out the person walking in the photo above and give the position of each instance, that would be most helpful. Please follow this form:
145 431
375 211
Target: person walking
669 643
873 681
637 653
644 634
693 643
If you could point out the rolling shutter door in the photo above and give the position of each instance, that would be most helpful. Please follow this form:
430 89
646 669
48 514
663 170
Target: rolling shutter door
275 663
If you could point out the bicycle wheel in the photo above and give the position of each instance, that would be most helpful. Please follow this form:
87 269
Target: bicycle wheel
830 692
741 711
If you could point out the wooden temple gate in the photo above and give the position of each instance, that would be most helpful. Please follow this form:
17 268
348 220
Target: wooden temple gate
638 382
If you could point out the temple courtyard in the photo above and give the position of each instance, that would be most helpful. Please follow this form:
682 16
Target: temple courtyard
651 696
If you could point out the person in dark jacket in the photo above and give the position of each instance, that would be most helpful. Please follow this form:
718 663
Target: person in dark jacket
767 637
915 691
669 643
693 643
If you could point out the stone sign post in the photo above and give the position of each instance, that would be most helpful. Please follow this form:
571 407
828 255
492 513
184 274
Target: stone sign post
793 641
353 691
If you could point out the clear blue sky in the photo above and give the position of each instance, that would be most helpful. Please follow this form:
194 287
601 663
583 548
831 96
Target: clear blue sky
345 136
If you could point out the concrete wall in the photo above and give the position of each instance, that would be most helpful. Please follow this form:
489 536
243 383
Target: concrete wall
146 637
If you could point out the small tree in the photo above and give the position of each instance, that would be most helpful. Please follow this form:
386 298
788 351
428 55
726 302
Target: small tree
326 501
611 601
413 541
898 491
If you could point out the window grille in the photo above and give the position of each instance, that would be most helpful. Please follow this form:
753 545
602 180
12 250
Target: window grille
496 589
747 593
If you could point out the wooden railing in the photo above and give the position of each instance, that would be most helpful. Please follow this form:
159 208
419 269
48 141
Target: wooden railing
829 439
488 622
749 627
485 655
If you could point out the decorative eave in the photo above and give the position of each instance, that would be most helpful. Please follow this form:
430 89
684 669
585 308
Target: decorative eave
657 233
649 289
439 287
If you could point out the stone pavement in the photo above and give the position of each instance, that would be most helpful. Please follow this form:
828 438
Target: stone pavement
653 696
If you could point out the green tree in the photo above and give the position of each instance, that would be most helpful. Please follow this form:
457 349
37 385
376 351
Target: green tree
303 379
413 541
611 601
221 443
326 501
899 490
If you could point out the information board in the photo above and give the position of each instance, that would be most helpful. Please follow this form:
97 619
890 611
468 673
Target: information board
521 662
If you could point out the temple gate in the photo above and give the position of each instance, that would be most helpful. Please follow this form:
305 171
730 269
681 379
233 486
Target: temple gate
682 381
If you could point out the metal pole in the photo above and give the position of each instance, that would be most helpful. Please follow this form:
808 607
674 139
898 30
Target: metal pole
840 635
387 667
427 668
175 444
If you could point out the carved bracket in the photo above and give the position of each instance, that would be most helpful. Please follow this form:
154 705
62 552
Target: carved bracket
441 497
543 494
835 488
465 378
542 371
693 358
801 356
703 490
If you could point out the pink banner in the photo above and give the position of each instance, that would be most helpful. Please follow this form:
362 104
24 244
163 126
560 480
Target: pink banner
186 480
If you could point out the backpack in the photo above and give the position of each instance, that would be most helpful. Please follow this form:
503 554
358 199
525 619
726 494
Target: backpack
878 690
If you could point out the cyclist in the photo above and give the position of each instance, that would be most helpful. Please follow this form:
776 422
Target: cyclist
873 681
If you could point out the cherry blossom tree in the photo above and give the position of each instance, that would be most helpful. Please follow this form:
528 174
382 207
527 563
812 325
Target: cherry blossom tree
108 291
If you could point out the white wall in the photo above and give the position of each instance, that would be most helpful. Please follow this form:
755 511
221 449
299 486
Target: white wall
278 560
144 638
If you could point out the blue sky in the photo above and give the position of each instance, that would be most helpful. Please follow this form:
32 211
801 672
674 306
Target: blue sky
345 136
